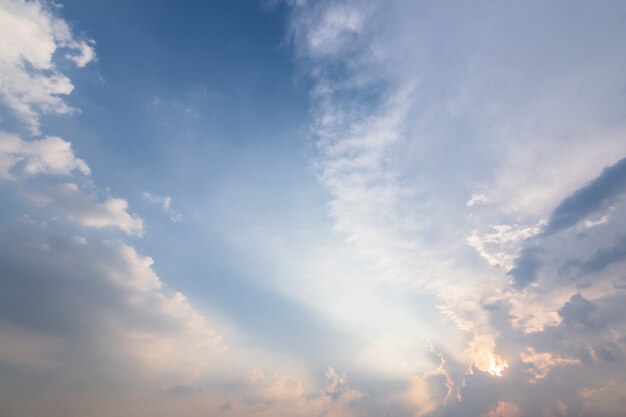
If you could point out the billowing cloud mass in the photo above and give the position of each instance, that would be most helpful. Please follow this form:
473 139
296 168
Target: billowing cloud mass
85 313
457 247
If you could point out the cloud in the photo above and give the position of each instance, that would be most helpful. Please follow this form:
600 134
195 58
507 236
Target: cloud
505 409
30 82
605 257
337 25
51 155
415 107
86 52
475 200
502 246
418 106
599 194
31 85
165 203
284 395
90 308
540 363
579 312
364 112
526 268
85 209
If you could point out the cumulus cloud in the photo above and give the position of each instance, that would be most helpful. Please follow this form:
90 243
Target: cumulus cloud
51 155
88 315
30 82
85 209
578 311
77 309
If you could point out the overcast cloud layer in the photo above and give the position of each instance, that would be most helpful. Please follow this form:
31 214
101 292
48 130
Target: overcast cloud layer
325 208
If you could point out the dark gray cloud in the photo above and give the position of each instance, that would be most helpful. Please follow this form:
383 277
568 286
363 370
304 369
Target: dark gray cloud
604 257
579 312
598 194
526 268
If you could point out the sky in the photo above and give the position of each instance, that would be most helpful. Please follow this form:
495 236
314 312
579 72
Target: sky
373 208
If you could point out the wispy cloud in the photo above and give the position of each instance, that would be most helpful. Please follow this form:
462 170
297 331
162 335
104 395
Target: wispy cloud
416 124
165 203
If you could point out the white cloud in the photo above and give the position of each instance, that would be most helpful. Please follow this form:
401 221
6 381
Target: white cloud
30 83
86 53
165 203
85 209
540 363
475 200
502 246
592 223
51 155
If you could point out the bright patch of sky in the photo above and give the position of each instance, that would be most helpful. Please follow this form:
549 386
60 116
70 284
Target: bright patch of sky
325 208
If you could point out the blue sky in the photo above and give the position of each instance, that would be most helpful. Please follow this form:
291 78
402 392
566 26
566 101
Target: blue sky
312 208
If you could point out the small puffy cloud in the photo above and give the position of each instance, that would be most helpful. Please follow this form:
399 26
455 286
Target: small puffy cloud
476 199
85 209
336 384
541 363
51 155
505 409
165 204
84 52
36 34
255 375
